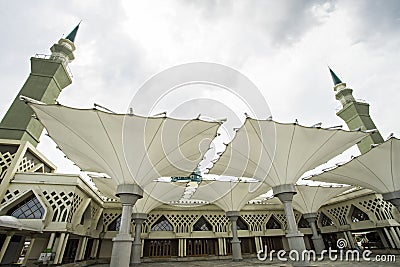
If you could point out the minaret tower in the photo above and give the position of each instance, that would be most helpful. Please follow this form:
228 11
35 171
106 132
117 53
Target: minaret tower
49 75
355 114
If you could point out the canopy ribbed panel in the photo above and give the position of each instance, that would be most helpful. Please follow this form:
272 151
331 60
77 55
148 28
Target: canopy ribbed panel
378 169
279 153
310 198
129 148
154 195
229 195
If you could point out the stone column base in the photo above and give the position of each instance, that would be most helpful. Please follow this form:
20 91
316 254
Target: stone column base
236 250
296 242
136 253
122 245
319 244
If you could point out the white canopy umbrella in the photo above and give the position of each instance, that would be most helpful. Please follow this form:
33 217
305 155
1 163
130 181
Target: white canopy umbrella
308 200
378 170
229 195
279 153
129 148
155 193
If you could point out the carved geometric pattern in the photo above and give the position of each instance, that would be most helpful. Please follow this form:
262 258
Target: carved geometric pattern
219 221
60 203
5 162
255 221
382 209
325 220
202 225
76 201
109 217
241 224
25 165
281 217
29 208
273 223
358 215
151 218
162 224
115 225
11 196
182 222
339 213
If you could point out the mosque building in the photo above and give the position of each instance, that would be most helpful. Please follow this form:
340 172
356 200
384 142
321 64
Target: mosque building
48 217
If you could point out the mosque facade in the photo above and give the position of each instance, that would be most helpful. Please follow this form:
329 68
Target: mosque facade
47 217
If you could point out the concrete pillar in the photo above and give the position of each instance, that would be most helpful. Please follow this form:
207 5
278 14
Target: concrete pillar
59 247
395 237
51 241
236 248
28 251
181 247
221 246
350 239
381 233
95 247
295 239
138 218
393 197
5 245
389 237
81 249
64 245
122 243
316 238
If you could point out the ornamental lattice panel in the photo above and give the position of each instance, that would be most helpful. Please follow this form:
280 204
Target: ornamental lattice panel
382 210
5 162
10 196
60 202
109 216
339 213
219 222
256 221
182 223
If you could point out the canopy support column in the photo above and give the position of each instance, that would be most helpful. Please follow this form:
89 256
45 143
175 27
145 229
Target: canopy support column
122 243
236 248
295 239
138 218
5 245
393 197
316 238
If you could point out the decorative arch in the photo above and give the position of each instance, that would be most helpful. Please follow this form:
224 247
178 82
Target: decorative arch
29 207
357 215
273 223
303 223
241 224
162 224
115 224
202 225
324 220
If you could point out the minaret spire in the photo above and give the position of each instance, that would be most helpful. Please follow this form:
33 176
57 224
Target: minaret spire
355 113
336 80
49 76
71 36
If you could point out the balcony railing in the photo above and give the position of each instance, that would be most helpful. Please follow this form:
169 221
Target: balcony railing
56 59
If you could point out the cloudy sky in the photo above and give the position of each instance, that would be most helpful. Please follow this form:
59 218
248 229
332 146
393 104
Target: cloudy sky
283 47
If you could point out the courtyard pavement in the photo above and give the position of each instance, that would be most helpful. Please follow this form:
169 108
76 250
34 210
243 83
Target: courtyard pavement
255 262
